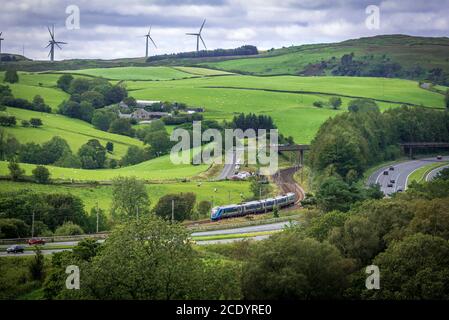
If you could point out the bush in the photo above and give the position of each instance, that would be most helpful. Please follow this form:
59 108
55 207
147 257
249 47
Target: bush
15 172
25 123
36 266
11 76
13 228
41 174
35 122
7 121
68 229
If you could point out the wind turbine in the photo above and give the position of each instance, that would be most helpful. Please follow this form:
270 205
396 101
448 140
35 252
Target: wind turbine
1 39
198 37
148 36
52 43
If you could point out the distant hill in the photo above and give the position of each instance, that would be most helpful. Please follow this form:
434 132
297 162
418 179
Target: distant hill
391 56
398 56
8 57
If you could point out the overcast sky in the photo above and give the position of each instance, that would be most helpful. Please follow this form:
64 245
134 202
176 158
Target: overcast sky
115 28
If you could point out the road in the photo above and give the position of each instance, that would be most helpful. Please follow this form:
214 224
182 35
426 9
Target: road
400 174
228 169
46 249
432 174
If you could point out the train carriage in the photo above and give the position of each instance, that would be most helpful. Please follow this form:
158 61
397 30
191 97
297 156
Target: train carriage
252 207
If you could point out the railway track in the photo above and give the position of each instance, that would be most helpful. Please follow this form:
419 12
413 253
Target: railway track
284 179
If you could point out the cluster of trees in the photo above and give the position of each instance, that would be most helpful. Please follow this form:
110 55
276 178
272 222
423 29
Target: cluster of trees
10 121
54 213
334 103
240 51
323 257
88 95
7 99
56 151
347 144
252 121
374 66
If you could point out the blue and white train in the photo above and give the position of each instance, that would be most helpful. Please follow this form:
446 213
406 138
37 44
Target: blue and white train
260 206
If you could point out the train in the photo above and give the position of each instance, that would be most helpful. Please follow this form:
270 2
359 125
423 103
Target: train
252 207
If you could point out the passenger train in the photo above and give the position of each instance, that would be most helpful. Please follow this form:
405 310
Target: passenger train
260 206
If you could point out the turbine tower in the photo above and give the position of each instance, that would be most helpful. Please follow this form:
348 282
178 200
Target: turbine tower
148 36
52 43
1 39
198 37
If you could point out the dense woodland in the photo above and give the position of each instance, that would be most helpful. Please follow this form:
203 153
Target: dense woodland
240 51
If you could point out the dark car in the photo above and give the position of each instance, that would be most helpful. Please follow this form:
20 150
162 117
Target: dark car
385 173
36 241
439 157
399 190
390 185
392 181
391 168
15 249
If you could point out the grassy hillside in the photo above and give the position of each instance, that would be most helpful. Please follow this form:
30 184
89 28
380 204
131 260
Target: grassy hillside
406 50
288 99
226 192
74 131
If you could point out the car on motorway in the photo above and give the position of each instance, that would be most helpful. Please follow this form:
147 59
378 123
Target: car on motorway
385 173
439 157
390 185
399 190
36 241
392 181
15 249
391 168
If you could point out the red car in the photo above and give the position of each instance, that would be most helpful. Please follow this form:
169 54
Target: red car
36 241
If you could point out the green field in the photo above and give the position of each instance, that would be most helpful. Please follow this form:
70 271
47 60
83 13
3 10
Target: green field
75 132
406 50
227 191
135 73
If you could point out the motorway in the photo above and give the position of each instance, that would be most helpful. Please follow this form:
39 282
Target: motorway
228 169
46 249
400 174
432 174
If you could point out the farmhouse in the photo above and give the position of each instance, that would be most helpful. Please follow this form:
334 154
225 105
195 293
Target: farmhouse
142 114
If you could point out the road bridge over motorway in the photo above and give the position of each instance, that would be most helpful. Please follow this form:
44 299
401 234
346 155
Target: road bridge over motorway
409 146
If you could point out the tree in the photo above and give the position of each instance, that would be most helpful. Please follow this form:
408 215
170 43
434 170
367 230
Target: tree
109 146
150 259
25 123
204 208
13 228
86 249
54 149
130 102
335 194
135 155
362 105
11 76
95 98
159 141
68 229
86 111
116 94
64 82
414 268
35 122
121 126
68 160
102 119
36 266
129 198
287 266
41 174
183 206
259 188
335 102
92 155
15 172
7 121
39 104
79 85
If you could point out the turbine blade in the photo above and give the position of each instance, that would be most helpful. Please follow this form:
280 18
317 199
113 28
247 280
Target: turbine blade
60 42
152 41
192 34
203 42
149 31
48 45
58 45
202 25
